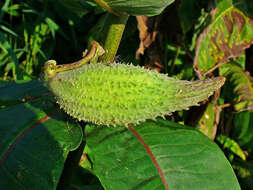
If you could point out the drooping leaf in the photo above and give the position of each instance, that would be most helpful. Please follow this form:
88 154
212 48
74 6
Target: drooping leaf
232 146
161 155
132 7
240 82
35 139
227 36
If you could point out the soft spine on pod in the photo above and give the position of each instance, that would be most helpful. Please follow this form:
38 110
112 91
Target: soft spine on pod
120 94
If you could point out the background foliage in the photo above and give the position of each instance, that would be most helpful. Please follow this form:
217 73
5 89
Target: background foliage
195 40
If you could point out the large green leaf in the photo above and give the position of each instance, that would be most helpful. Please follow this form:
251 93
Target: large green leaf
35 139
158 155
227 36
132 7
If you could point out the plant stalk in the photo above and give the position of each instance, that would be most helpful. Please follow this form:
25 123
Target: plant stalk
113 37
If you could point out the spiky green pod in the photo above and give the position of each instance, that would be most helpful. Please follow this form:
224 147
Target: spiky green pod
120 94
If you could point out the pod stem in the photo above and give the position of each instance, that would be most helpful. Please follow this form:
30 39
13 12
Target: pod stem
95 51
113 37
51 67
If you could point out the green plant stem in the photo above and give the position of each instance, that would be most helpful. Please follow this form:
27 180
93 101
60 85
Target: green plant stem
113 37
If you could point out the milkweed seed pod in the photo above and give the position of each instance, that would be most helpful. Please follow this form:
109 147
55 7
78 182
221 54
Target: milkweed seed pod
120 94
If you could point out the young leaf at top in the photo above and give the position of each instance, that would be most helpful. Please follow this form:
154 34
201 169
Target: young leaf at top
131 7
227 36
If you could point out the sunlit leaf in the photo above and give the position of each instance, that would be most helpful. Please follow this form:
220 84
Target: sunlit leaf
228 35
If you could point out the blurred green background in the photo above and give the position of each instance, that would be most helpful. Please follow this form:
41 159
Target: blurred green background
31 32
